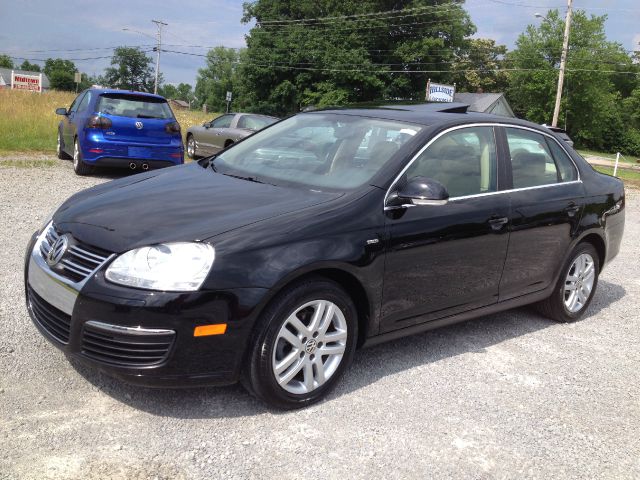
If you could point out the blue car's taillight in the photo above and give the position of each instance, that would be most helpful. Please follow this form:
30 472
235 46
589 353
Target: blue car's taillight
172 127
96 121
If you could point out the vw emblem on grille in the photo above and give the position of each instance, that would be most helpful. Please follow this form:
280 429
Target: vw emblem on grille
139 125
57 250
310 346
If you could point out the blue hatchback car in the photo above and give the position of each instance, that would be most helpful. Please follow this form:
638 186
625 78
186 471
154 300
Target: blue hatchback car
119 128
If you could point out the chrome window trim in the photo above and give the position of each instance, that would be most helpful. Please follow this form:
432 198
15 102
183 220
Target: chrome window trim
483 124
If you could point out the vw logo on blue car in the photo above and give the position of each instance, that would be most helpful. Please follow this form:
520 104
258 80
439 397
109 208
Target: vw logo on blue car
139 125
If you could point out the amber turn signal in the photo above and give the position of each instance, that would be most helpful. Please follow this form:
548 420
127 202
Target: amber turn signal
214 329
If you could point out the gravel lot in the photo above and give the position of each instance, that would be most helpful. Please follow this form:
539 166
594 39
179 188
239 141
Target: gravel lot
507 396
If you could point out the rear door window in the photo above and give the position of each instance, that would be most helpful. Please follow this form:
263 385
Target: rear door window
134 106
532 164
568 172
85 102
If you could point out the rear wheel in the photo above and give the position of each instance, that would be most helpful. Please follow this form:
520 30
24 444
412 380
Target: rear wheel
307 340
228 143
62 155
79 166
575 288
191 147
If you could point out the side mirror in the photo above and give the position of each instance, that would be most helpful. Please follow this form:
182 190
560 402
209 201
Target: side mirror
61 111
419 191
206 124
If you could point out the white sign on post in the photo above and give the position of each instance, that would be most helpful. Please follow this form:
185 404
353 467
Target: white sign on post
229 96
437 92
20 81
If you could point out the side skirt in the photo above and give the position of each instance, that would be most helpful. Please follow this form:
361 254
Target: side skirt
461 317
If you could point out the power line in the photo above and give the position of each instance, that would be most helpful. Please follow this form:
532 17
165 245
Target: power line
361 15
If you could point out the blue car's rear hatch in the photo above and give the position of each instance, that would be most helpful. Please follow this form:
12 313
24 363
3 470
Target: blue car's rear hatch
136 118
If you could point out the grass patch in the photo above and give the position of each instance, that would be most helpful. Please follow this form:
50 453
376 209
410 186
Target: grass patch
28 121
630 177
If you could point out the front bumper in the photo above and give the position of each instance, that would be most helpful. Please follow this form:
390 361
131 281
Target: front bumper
139 336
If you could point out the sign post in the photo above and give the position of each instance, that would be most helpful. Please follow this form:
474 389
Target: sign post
77 77
229 97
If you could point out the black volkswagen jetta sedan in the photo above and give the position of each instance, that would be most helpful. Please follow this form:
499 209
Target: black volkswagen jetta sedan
272 262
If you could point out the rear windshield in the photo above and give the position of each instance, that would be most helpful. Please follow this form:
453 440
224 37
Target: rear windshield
135 106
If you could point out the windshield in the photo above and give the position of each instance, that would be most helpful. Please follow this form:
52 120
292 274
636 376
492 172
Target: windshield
324 151
135 106
255 122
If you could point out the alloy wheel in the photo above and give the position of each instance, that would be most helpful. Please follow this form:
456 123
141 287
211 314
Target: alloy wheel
191 147
76 154
58 145
309 347
579 282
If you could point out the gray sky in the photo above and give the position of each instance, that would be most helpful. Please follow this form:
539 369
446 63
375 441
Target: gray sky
38 29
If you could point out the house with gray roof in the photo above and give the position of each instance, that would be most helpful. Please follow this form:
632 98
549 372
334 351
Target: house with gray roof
494 103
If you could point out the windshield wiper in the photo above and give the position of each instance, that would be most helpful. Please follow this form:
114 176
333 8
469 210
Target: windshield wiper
241 177
140 115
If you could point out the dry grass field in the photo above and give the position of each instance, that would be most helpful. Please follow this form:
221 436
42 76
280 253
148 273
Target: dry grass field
28 121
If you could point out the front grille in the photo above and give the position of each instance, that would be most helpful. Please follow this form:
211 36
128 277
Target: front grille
54 321
127 347
78 262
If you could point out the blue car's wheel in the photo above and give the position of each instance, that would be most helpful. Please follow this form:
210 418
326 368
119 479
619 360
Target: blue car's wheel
79 166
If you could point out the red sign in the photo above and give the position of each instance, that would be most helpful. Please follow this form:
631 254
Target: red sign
21 81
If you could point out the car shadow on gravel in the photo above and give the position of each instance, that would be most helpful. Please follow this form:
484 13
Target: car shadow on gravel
369 366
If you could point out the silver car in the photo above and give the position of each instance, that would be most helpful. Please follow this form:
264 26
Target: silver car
223 131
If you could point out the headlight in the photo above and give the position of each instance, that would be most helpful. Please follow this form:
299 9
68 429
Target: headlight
178 267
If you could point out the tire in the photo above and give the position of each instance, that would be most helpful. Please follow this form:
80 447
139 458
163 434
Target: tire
228 143
569 304
283 338
192 149
62 155
79 166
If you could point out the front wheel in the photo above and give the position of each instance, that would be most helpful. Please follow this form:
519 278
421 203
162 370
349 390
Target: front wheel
575 288
79 166
307 339
191 147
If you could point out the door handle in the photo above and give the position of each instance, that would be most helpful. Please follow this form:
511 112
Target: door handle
572 209
498 222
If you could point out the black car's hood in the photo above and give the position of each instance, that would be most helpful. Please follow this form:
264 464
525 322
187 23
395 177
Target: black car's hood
177 204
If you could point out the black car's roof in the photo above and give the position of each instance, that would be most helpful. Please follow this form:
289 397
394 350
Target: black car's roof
430 114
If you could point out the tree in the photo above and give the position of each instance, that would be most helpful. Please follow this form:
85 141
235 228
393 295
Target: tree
6 61
217 78
182 91
131 69
590 104
30 67
60 73
480 66
322 52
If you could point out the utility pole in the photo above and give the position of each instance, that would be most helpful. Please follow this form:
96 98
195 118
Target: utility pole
563 64
159 24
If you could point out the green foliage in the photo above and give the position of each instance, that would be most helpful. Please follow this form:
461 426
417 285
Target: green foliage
30 67
345 60
591 103
182 91
60 73
476 68
6 61
131 69
218 77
